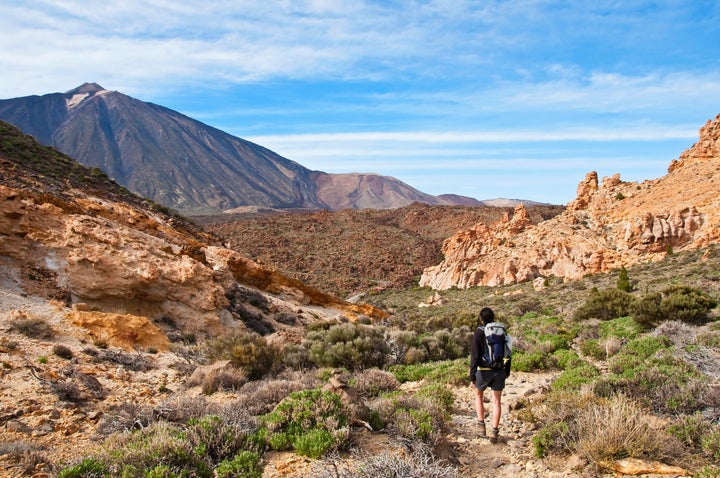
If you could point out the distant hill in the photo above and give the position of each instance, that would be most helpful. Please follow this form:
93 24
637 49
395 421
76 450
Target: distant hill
179 162
351 251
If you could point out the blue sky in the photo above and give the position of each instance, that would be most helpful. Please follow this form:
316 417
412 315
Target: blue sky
488 99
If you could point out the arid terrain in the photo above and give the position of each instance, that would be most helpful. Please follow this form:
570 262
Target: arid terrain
352 251
135 342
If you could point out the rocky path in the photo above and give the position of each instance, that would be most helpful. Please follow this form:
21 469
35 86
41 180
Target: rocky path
512 455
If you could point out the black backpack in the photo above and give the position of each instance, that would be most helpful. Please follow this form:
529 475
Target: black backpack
498 345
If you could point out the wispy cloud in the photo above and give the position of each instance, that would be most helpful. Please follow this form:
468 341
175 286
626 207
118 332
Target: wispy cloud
404 87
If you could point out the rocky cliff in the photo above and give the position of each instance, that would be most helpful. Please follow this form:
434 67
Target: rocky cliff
610 224
69 233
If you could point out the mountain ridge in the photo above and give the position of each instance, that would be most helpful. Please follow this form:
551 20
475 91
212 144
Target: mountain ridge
195 168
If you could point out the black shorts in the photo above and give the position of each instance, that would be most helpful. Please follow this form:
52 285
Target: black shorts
495 379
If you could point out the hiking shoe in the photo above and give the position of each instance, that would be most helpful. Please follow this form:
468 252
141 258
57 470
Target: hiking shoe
494 435
481 428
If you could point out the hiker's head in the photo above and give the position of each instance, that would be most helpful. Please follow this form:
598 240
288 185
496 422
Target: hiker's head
487 315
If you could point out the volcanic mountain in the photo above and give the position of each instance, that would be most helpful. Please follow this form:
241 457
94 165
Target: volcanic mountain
179 162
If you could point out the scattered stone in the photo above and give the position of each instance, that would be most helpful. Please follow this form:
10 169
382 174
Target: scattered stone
18 427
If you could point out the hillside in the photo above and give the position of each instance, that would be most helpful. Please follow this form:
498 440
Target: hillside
184 164
349 252
611 224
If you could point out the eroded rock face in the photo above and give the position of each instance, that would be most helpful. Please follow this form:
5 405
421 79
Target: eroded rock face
121 260
610 224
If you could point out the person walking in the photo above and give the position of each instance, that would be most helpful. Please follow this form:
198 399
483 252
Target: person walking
490 361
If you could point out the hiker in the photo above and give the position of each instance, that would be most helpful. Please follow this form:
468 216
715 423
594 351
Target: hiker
489 367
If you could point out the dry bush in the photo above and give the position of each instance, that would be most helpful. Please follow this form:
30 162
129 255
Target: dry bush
32 327
612 345
29 458
411 417
125 417
262 397
229 378
63 351
417 462
182 408
601 429
68 391
370 383
680 333
615 428
136 362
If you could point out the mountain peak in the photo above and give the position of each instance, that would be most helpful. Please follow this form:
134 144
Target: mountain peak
86 88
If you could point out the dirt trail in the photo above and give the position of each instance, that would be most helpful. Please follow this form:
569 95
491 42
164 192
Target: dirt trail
512 455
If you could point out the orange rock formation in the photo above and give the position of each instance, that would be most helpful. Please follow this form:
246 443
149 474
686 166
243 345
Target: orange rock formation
610 224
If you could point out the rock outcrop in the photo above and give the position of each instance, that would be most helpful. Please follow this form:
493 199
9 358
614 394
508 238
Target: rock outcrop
70 234
610 224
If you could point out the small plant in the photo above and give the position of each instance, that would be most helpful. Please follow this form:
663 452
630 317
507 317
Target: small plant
34 328
43 359
370 383
63 351
419 462
623 281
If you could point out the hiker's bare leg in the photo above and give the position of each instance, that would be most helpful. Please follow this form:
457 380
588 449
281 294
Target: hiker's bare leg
479 405
496 395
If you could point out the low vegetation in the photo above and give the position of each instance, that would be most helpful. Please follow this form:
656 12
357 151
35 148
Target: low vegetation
637 374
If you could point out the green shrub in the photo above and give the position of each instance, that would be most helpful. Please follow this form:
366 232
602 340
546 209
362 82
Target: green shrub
245 464
249 352
690 429
438 393
215 438
420 417
308 412
604 304
646 347
348 345
530 362
314 443
159 445
711 444
88 468
566 359
453 372
647 311
574 378
621 327
591 348
686 304
679 302
623 281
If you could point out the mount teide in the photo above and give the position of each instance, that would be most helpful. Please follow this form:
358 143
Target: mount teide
182 163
